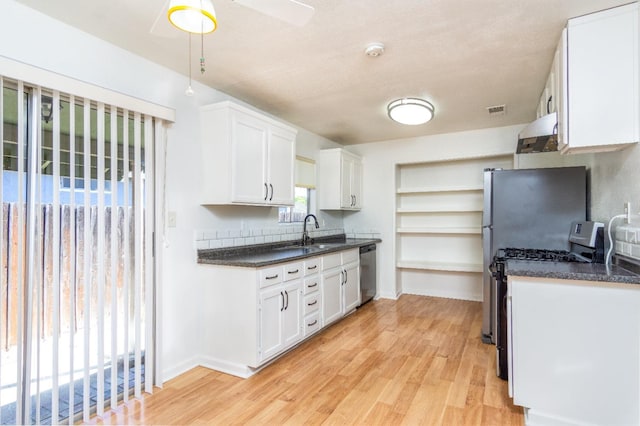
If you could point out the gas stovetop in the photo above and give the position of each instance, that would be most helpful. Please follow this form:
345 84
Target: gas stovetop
538 255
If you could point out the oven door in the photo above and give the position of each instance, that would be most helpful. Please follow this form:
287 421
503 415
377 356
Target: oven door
502 362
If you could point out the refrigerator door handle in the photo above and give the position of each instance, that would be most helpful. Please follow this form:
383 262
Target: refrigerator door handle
487 197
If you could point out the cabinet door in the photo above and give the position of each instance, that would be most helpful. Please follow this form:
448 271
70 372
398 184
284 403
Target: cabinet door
356 183
331 295
271 306
292 314
351 287
346 197
561 90
282 151
249 154
603 78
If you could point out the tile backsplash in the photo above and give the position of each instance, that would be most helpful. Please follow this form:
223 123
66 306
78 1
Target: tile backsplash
628 241
220 238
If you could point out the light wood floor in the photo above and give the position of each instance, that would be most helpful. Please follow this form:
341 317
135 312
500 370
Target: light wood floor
417 360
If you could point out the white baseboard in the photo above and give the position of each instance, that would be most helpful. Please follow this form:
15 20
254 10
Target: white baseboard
388 295
238 370
179 369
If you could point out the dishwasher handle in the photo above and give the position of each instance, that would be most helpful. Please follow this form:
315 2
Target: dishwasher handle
367 248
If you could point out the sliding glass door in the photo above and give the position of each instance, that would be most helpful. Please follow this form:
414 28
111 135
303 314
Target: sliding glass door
76 311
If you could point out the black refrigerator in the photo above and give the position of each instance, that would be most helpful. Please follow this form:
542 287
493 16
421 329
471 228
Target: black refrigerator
526 208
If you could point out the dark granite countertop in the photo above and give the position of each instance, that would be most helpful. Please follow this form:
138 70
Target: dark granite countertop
259 255
571 271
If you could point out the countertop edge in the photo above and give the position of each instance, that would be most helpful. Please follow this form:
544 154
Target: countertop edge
598 272
349 243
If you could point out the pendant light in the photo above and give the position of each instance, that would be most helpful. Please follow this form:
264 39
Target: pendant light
193 16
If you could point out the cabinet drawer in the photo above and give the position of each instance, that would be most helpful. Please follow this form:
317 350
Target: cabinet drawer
311 285
311 303
270 276
331 261
292 271
349 256
312 266
311 324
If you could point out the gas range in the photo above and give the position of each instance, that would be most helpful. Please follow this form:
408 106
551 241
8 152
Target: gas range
538 255
587 244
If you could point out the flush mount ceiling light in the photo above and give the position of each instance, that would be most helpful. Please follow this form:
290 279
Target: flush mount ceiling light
410 111
193 16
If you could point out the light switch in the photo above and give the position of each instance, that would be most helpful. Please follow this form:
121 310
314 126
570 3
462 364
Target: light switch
171 219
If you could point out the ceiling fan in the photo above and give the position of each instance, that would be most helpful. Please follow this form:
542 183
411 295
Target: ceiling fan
292 12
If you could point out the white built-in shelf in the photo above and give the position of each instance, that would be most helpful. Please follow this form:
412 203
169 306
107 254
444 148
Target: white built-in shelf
437 209
432 189
440 266
441 230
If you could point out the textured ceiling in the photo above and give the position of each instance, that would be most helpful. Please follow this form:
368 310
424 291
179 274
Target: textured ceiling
462 55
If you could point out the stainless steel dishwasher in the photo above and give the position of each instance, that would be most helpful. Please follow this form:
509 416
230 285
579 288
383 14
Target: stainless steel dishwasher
367 273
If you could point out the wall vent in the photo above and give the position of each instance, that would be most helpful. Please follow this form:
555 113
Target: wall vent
497 110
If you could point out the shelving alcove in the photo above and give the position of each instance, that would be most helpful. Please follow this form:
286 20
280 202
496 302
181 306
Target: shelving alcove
438 223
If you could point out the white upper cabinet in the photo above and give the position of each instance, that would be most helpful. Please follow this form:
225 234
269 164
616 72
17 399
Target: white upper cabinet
339 180
248 158
598 85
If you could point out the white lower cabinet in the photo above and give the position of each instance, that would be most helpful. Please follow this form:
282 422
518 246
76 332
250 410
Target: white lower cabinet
340 285
252 315
280 318
573 351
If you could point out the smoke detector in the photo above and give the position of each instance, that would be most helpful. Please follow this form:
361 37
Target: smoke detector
374 49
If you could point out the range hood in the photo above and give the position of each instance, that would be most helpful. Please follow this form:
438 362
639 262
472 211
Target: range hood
539 136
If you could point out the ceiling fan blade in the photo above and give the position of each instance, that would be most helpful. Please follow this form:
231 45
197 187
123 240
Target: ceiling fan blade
161 26
290 11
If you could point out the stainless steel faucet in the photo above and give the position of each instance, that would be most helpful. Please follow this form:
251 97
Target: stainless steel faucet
305 235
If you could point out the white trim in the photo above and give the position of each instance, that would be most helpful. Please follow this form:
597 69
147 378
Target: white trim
41 77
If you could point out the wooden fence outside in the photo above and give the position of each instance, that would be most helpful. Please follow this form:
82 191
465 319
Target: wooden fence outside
73 284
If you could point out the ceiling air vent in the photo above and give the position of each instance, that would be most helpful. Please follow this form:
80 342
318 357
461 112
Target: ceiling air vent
495 111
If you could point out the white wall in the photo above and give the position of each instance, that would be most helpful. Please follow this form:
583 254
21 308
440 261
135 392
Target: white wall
379 165
614 179
58 47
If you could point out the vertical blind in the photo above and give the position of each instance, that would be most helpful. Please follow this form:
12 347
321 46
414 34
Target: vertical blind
77 251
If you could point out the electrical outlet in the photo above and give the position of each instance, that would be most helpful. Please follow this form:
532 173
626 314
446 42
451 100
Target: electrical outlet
627 211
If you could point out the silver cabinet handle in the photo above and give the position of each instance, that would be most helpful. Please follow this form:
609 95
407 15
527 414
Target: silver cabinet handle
272 277
312 303
266 191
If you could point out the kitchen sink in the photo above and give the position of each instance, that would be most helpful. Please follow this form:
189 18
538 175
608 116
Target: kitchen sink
310 247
